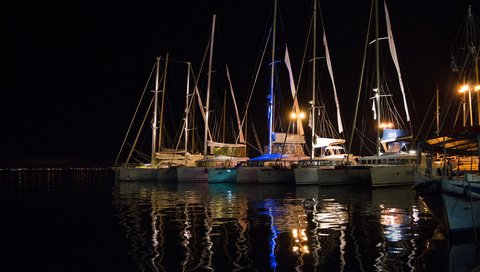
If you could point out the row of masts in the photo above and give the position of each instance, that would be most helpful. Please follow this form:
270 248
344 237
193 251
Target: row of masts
271 96
158 125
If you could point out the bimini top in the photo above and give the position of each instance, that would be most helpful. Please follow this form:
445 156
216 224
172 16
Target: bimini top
270 157
395 135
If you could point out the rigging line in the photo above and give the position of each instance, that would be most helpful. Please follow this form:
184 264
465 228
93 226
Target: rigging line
140 153
424 119
363 140
189 107
134 115
139 131
361 80
304 53
222 48
197 90
340 117
255 79
173 104
446 109
456 118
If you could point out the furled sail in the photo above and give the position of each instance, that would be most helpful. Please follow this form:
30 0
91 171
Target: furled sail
330 71
393 52
293 88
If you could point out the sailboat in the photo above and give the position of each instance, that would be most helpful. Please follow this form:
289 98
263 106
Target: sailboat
452 165
215 154
162 161
228 171
284 150
329 142
393 163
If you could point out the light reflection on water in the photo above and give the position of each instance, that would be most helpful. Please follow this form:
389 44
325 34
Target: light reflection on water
187 227
81 220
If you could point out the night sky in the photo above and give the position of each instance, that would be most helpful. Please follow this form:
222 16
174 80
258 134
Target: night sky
73 71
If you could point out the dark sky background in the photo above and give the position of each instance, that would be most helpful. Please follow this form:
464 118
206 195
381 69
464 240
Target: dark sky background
73 70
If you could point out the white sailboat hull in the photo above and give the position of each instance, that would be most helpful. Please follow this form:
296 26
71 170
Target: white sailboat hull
222 174
136 174
343 176
247 174
392 175
305 176
192 174
281 176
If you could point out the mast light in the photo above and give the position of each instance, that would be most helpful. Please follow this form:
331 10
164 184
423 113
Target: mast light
464 88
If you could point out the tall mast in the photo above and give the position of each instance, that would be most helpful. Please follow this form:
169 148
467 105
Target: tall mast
437 113
187 104
271 100
164 87
155 109
314 71
475 60
476 86
207 110
377 75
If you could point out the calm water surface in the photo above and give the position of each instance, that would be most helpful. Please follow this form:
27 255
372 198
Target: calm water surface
84 221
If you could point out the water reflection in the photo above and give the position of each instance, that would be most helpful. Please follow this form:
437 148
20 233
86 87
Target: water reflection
232 227
398 214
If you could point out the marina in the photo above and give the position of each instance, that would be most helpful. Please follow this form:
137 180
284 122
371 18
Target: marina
324 158
241 136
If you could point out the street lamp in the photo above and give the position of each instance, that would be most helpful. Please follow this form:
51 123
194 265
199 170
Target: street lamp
294 117
386 125
463 90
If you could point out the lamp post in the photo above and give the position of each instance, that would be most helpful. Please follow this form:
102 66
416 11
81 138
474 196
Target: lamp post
463 90
477 90
294 117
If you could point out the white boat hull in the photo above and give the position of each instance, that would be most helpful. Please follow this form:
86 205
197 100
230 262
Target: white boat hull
136 174
192 174
247 174
306 176
222 174
343 176
167 174
462 214
462 203
392 175
281 176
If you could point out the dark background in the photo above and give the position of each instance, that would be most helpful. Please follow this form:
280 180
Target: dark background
72 71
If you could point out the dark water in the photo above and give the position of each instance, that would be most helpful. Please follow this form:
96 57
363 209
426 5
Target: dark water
84 221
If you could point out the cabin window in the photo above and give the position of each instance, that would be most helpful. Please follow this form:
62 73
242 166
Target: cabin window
230 151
